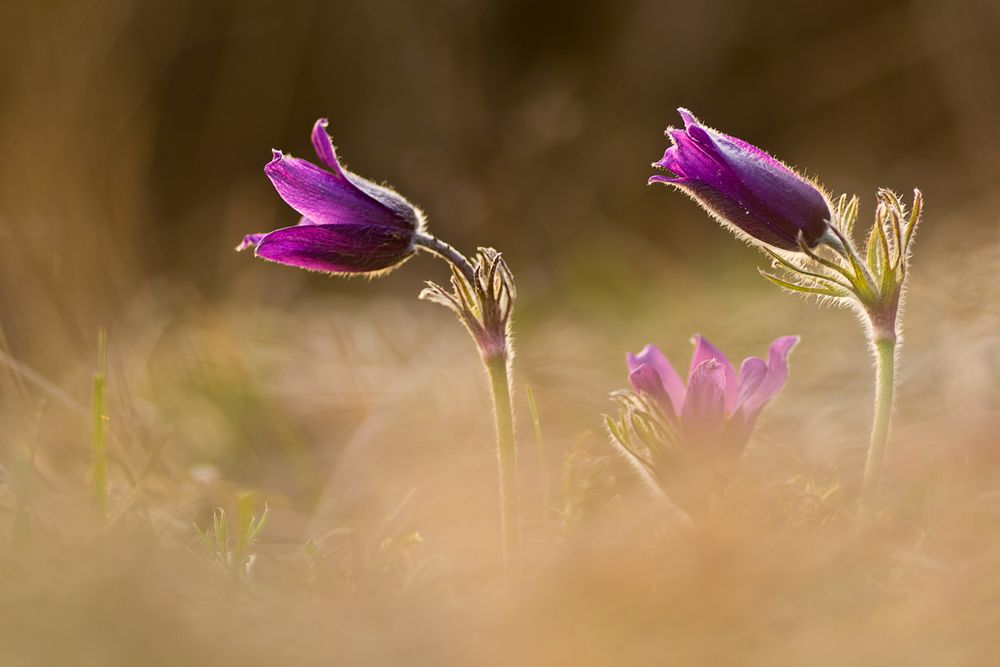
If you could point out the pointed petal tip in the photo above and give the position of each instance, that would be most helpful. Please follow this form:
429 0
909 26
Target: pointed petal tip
319 129
675 134
786 343
704 352
638 358
670 385
669 158
274 165
649 348
250 241
323 145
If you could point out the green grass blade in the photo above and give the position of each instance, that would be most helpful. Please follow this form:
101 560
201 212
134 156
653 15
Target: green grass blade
98 433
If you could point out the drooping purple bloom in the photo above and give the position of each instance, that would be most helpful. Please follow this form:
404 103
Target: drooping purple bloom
349 224
715 411
744 187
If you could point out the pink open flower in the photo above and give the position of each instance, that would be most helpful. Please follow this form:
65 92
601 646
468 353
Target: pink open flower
715 411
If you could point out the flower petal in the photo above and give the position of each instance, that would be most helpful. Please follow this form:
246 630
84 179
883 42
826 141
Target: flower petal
687 117
644 380
774 380
250 241
342 248
744 187
331 199
688 157
323 146
670 382
703 350
752 373
703 416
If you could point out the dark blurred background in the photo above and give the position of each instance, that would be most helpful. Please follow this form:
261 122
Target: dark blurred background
134 133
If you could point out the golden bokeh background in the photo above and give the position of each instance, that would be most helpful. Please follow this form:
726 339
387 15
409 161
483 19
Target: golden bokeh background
134 135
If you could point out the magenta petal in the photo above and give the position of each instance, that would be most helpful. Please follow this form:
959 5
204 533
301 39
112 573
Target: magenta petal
657 178
689 157
324 148
753 371
670 382
325 198
703 138
703 350
686 116
745 187
703 416
344 248
250 241
671 160
777 375
644 380
752 374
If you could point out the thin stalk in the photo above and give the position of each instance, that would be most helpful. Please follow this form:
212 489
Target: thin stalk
540 449
448 253
496 368
98 440
885 383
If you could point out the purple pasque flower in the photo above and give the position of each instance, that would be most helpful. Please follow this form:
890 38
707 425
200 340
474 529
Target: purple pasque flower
744 187
715 411
349 225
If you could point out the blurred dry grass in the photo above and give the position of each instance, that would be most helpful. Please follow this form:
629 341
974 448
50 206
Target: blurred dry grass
134 136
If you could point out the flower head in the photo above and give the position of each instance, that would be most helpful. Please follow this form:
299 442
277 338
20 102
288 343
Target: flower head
718 406
744 187
349 224
681 436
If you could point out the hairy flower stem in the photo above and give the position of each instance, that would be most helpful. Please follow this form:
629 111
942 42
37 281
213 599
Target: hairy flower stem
884 348
482 296
446 252
499 373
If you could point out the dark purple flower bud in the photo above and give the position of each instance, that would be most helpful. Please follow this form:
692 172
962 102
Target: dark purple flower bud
744 187
349 224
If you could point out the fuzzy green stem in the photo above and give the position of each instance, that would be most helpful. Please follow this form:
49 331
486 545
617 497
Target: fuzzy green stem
499 373
884 348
